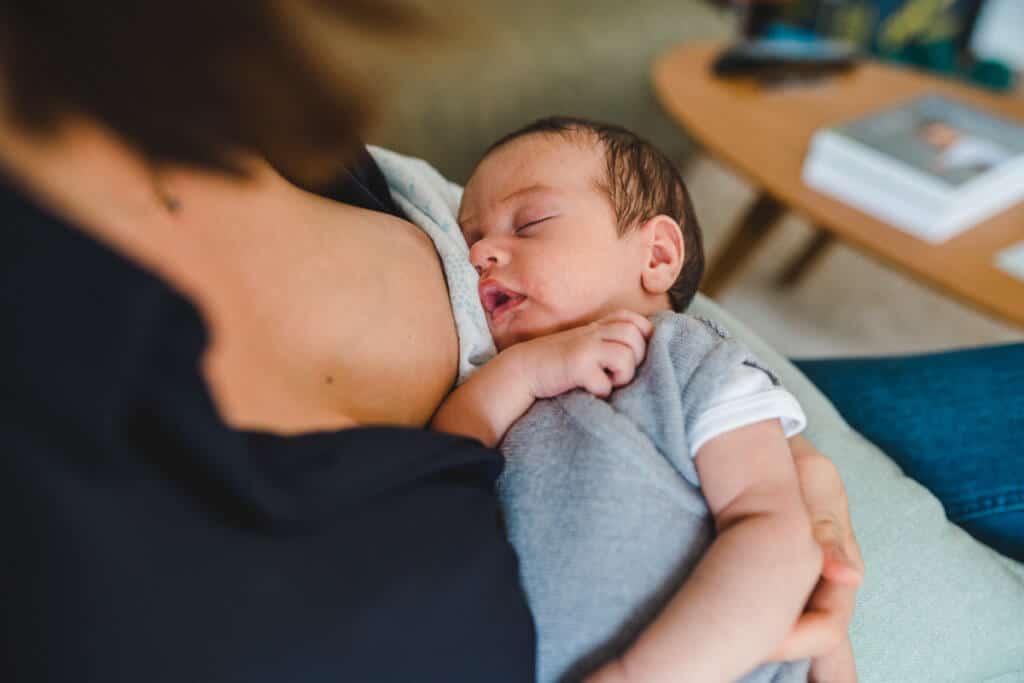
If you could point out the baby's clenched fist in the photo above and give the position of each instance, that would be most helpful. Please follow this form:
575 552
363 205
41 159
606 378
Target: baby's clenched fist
596 357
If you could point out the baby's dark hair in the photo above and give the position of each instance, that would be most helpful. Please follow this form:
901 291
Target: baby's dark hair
641 183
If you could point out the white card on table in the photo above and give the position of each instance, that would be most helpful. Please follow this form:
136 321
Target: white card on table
1011 260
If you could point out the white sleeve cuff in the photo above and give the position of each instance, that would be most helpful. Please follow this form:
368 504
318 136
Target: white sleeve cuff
744 400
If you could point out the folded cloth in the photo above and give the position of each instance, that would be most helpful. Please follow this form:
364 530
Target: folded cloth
432 202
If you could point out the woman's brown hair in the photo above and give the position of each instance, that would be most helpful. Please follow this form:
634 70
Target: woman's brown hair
197 81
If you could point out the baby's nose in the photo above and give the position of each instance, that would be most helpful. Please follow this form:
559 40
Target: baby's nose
483 265
483 255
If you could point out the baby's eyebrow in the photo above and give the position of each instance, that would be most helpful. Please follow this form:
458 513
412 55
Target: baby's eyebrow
467 223
532 189
536 188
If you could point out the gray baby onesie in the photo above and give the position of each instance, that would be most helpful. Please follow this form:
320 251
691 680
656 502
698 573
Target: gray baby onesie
603 505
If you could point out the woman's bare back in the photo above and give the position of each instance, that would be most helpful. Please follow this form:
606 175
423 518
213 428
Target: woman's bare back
321 315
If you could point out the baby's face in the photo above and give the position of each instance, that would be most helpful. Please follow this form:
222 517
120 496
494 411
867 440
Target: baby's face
543 237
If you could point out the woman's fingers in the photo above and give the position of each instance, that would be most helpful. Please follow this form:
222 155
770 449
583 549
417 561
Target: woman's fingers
815 634
839 567
827 506
837 666
833 539
824 623
823 626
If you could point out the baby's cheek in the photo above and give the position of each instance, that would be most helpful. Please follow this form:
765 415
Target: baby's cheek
547 302
555 278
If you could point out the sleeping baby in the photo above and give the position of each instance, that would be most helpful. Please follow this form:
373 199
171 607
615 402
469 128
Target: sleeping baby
649 488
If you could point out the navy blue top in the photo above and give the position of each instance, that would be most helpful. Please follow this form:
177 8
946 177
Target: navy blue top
145 540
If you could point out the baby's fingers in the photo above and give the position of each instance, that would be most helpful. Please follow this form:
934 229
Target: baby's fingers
618 362
598 382
645 326
628 333
627 336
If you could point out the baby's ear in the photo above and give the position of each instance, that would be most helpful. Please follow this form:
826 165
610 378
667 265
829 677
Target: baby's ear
664 254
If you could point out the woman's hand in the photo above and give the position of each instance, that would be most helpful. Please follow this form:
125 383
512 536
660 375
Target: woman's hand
596 357
821 632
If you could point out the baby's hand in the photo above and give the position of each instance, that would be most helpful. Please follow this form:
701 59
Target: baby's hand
595 357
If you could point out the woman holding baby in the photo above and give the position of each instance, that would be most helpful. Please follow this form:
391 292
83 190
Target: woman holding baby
213 308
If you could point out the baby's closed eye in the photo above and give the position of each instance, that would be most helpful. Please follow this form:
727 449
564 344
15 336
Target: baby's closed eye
532 223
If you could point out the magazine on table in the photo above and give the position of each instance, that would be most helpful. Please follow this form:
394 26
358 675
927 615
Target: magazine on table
932 166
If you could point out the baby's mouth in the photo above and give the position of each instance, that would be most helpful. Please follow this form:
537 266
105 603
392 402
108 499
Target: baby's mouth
497 300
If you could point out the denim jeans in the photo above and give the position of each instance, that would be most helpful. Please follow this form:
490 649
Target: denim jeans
954 421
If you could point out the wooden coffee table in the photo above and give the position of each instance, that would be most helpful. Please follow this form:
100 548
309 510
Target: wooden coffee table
763 133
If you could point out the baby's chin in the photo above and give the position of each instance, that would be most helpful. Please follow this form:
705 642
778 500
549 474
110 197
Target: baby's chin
503 340
510 335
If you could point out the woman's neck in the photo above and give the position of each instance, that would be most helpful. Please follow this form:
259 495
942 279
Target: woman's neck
96 182
86 175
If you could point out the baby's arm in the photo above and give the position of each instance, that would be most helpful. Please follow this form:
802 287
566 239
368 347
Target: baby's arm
595 357
753 582
486 404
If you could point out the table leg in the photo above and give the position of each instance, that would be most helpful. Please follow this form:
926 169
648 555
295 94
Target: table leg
798 267
755 225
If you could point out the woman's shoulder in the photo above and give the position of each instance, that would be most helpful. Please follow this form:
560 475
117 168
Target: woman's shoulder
361 183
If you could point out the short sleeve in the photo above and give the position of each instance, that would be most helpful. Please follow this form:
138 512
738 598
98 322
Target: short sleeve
749 395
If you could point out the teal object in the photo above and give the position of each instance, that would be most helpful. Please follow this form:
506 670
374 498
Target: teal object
940 57
928 46
993 75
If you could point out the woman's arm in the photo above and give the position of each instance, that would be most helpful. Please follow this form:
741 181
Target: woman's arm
821 632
